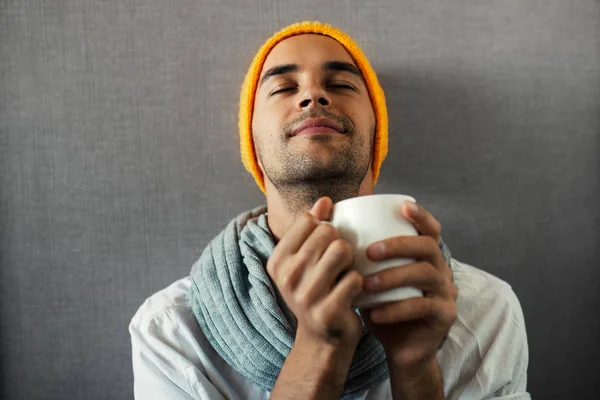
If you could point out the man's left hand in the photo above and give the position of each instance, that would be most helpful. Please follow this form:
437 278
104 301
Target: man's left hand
412 330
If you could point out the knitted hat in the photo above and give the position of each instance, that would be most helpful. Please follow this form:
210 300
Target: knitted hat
253 75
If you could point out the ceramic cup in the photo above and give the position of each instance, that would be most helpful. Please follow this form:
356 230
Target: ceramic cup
364 220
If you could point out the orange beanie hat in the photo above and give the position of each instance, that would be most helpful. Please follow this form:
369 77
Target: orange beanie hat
253 75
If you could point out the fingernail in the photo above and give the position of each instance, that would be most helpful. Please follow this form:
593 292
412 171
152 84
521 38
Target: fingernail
371 282
412 207
376 251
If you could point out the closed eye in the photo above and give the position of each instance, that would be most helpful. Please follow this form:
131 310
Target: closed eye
283 90
341 86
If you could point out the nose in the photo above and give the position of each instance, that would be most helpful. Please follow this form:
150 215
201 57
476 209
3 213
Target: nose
313 98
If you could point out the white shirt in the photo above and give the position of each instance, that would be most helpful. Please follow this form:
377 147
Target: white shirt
485 356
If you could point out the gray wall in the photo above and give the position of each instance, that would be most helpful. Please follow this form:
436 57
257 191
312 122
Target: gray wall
119 161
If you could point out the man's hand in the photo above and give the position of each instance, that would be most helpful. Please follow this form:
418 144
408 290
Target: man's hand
412 330
310 267
307 266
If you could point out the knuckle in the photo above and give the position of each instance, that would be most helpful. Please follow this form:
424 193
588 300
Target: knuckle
353 281
291 269
285 282
337 246
328 231
437 226
453 291
303 300
340 248
271 263
430 272
346 246
394 243
316 315
300 260
431 243
425 307
357 279
307 219
439 280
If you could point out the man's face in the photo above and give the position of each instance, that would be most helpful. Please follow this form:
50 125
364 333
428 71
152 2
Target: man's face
311 80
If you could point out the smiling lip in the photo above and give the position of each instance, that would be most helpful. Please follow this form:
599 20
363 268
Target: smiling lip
316 126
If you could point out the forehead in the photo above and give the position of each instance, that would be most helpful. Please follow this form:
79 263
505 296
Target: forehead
306 50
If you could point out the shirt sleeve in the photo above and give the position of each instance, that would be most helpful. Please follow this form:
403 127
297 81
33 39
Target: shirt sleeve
502 374
161 369
513 340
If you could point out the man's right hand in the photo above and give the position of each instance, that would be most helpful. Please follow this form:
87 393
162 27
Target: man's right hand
310 266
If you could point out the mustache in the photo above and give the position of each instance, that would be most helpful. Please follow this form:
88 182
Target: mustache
289 126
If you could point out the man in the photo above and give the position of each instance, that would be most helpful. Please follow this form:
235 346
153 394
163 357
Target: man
267 310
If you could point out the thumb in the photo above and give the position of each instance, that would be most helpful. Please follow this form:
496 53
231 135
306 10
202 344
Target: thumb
322 209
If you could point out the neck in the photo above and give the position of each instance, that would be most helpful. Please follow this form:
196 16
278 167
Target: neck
284 205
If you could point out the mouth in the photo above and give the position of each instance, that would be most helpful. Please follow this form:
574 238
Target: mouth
318 126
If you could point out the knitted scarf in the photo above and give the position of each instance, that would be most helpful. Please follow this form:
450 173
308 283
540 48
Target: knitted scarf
244 316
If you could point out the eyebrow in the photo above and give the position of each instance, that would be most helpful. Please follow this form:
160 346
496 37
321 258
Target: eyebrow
279 70
342 66
328 65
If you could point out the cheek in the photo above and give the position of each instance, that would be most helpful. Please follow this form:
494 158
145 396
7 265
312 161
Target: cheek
274 121
272 117
365 119
369 120
264 129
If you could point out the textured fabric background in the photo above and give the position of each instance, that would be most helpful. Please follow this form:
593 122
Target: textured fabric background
119 161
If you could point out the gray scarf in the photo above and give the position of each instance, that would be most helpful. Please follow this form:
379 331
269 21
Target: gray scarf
245 318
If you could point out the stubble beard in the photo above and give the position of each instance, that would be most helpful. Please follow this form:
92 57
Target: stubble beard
301 179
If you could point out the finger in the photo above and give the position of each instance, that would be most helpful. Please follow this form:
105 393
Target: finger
421 275
439 314
417 247
425 223
322 209
292 240
337 258
344 293
317 242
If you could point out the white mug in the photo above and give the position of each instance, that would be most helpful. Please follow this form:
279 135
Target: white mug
364 220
